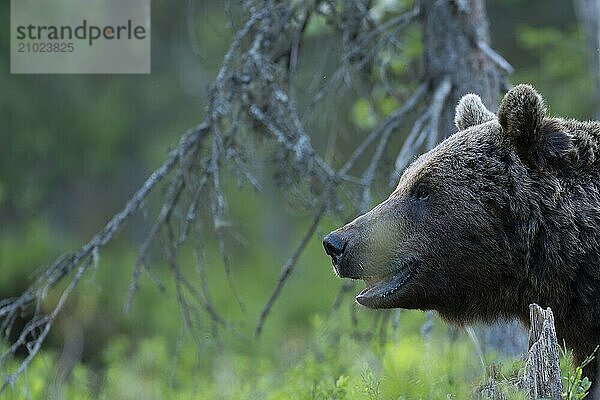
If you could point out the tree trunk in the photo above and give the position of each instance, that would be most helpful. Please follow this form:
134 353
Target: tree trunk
456 43
457 50
588 14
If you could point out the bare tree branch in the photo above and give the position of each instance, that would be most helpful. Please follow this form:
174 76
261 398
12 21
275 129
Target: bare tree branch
386 130
495 57
286 271
253 94
412 144
171 198
437 106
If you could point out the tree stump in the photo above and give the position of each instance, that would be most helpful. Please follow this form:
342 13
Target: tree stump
491 390
542 377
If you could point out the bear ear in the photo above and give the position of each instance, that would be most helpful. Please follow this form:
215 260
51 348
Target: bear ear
470 111
538 142
521 116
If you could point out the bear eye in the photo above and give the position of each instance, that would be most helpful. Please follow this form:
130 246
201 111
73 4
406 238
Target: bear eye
421 192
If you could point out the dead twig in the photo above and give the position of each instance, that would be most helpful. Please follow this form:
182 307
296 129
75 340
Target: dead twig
437 106
286 271
386 130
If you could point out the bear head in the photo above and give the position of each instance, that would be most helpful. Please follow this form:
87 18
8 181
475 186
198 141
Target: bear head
452 236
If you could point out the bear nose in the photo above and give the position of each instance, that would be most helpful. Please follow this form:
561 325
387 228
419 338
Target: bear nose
334 245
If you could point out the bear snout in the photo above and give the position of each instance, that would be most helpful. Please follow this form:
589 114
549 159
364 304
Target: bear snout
334 245
338 246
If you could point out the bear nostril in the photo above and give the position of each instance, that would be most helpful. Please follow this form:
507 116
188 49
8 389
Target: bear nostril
334 245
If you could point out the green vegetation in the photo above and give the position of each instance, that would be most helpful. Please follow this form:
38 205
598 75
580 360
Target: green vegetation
575 385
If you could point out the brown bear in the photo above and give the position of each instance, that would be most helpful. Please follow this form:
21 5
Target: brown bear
503 213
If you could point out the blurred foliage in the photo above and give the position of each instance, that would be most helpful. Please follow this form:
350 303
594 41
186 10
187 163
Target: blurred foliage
552 46
73 148
332 366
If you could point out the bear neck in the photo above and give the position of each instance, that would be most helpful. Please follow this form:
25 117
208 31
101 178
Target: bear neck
557 231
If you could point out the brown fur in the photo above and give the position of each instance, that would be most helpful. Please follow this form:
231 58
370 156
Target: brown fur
502 214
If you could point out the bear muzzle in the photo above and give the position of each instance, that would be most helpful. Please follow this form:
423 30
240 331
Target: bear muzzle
337 247
382 284
334 246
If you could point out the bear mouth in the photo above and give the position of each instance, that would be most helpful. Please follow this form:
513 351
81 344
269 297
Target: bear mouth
379 289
